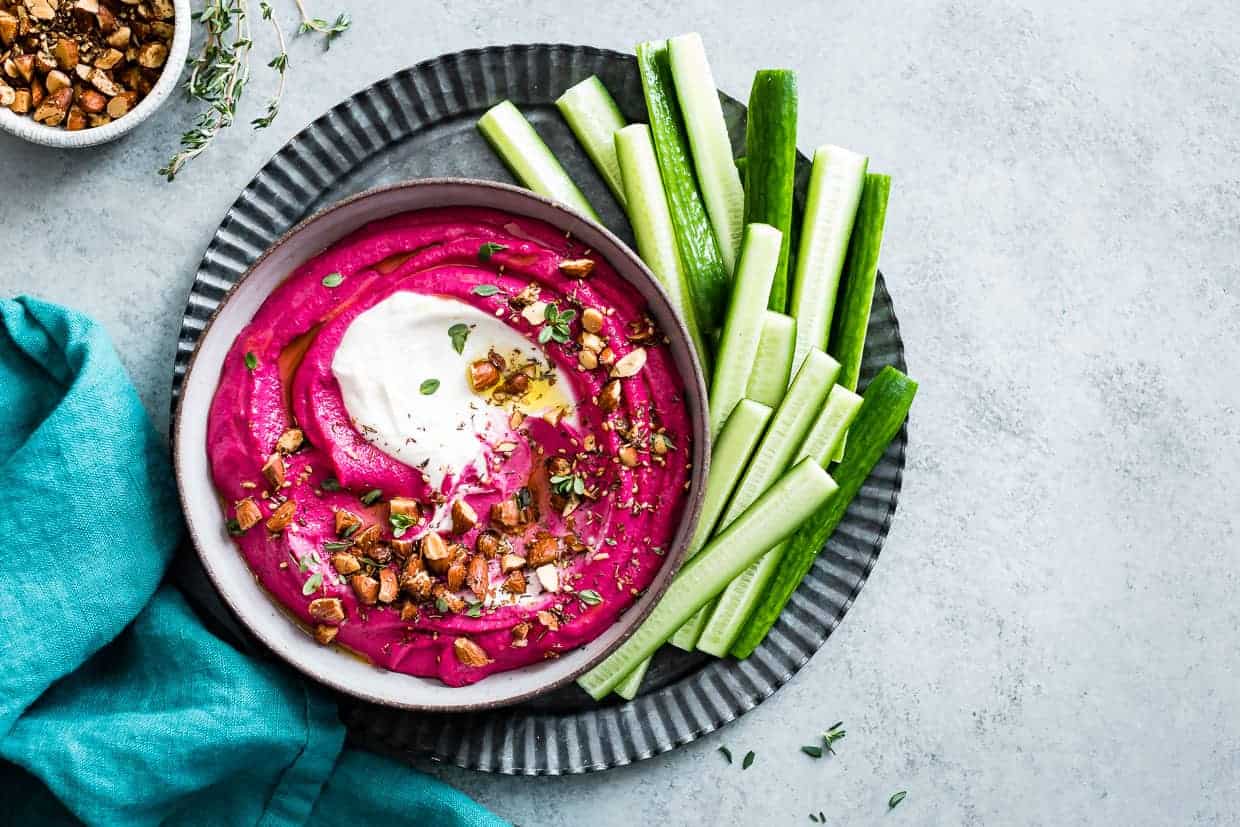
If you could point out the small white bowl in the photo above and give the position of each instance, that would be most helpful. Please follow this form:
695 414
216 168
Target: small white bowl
25 127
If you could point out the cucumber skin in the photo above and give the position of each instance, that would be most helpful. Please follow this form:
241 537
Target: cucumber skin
770 166
699 250
581 119
858 279
796 495
885 407
569 193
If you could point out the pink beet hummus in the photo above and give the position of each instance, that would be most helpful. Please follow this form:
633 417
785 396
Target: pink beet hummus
599 489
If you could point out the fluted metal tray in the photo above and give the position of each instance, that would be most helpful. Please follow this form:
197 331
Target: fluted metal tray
420 123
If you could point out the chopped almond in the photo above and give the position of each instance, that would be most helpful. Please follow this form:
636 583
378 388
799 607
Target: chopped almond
54 107
451 602
345 563
577 268
489 543
346 520
8 28
520 635
515 584
511 562
327 610
368 538
408 611
628 456
607 357
457 573
549 577
479 577
291 440
464 517
660 444
469 653
66 53
609 396
273 471
630 364
435 553
388 588
482 375
506 514
366 588
592 319
381 553
91 101
401 548
545 549
21 103
549 620
558 466
405 506
282 517
152 55
417 584
248 514
325 634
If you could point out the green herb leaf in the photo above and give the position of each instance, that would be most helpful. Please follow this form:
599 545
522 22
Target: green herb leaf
524 497
371 497
726 753
475 610
544 335
429 386
747 762
489 249
333 280
330 484
832 735
589 597
485 290
441 605
458 333
337 545
895 800
251 361
312 584
303 564
812 752
234 528
401 523
350 530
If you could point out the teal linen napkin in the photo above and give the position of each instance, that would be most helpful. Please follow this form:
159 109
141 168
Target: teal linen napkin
117 706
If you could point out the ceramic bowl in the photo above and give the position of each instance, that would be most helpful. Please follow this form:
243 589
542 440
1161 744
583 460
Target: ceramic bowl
25 127
332 665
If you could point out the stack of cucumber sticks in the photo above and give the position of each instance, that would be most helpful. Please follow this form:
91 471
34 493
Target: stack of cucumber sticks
777 306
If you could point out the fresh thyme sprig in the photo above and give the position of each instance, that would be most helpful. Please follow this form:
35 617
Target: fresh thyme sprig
280 64
330 31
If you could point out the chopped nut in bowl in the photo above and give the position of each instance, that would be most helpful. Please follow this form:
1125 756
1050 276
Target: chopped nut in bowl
76 73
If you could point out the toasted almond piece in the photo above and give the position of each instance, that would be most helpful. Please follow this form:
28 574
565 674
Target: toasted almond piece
109 59
592 319
628 456
630 364
609 396
456 575
325 634
558 466
549 577
588 359
248 514
591 342
25 67
76 119
405 506
435 554
37 94
544 549
291 440
107 20
273 470
401 548
520 635
535 313
8 95
515 584
163 30
511 562
489 543
549 620
119 39
152 55
21 102
577 268
83 70
660 444
417 584
327 609
483 375
381 553
100 80
8 28
607 357
451 602
282 517
54 107
366 588
506 514
41 9
163 9
388 588
479 577
345 563
408 611
66 53
464 517
469 653
346 520
91 101
98 120
368 538
120 105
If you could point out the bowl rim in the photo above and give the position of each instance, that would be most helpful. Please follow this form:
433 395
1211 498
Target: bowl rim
26 128
631 619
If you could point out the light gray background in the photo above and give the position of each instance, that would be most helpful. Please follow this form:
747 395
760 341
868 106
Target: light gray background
1051 635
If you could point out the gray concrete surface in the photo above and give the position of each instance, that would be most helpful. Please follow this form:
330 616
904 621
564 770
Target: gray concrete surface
1051 636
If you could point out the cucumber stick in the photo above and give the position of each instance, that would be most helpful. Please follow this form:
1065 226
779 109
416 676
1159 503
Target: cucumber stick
834 192
884 407
782 441
744 593
857 287
730 454
708 139
652 226
513 138
771 159
595 119
738 343
699 251
632 683
770 519
772 366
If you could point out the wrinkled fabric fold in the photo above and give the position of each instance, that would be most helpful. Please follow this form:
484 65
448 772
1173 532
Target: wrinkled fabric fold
117 706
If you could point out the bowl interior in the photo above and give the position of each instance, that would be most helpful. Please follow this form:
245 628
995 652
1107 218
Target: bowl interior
226 566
